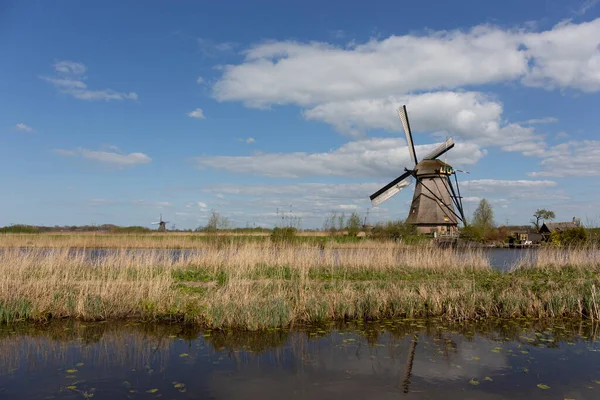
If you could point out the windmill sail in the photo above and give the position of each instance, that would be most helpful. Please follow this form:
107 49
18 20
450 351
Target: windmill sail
406 125
441 149
390 189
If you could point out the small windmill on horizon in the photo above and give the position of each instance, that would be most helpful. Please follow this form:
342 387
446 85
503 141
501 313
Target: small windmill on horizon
162 225
435 198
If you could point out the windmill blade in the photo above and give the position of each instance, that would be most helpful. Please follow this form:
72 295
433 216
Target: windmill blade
166 222
390 189
441 149
406 125
154 223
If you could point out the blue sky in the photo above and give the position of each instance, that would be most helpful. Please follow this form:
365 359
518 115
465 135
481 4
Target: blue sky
115 112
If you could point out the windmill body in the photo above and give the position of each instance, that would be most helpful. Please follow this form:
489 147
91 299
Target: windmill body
436 205
162 225
432 208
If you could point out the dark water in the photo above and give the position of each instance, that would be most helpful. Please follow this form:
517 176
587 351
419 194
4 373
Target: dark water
390 360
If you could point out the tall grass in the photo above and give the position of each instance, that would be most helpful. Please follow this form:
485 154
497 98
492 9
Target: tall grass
255 285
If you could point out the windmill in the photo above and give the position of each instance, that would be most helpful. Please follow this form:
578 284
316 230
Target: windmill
435 198
162 225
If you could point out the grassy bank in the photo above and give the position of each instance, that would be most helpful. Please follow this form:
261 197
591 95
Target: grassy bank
260 285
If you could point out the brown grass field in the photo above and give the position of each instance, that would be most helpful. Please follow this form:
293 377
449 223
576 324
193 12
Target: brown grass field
259 284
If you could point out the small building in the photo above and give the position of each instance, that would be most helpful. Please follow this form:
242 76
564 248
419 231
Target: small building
527 237
549 227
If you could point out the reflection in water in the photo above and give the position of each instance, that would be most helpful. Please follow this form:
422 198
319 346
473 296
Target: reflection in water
409 363
391 359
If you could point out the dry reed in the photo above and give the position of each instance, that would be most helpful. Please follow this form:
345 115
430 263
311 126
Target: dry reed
254 285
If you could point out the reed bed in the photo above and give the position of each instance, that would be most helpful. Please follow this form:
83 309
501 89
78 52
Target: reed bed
255 285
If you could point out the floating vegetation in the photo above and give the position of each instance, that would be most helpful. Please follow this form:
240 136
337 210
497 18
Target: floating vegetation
440 357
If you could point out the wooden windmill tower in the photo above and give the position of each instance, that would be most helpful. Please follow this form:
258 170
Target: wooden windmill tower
162 225
435 198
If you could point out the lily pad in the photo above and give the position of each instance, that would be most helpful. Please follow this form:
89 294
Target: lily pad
542 386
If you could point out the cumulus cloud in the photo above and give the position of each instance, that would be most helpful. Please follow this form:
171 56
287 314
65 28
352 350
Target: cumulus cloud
356 87
568 56
249 140
469 115
23 127
111 158
69 79
286 72
573 158
309 73
370 157
200 80
197 113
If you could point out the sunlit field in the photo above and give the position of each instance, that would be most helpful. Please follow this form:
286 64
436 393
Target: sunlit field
260 284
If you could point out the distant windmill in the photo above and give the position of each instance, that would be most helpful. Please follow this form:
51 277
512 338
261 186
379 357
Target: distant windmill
434 200
162 225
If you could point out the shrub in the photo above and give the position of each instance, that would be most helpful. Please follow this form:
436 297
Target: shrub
471 233
573 237
283 235
393 230
19 229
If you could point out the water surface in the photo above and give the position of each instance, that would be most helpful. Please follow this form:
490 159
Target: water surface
356 360
500 258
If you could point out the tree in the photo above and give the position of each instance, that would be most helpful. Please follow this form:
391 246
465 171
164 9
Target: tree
353 224
216 222
542 215
341 221
483 217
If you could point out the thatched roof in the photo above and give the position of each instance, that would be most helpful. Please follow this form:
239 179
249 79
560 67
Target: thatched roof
557 226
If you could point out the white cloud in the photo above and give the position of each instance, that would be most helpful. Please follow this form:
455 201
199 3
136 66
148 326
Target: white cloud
306 74
469 115
114 159
567 56
154 204
201 204
371 157
212 49
546 120
197 113
249 140
586 6
333 191
69 79
339 34
70 67
23 127
285 72
200 80
573 158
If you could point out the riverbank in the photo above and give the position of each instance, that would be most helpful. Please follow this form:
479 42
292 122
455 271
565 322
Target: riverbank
255 286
